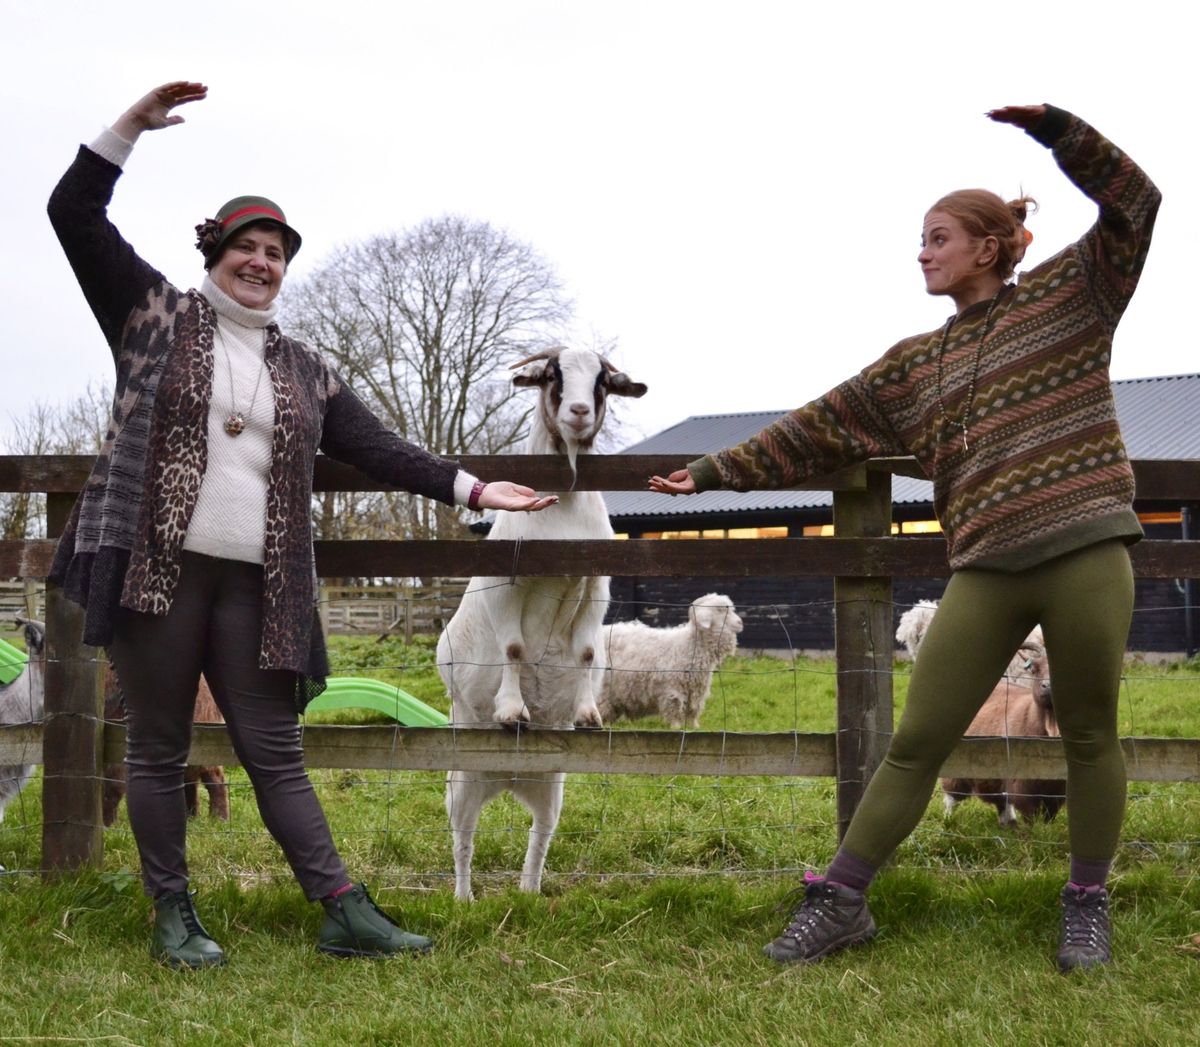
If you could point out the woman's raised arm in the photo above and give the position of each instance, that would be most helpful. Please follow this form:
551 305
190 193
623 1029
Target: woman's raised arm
152 112
1022 116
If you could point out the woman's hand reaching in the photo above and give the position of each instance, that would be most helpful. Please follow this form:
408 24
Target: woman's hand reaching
152 111
504 494
678 482
1022 116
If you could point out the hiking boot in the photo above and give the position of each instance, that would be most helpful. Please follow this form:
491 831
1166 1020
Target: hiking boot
829 918
355 926
1085 940
180 939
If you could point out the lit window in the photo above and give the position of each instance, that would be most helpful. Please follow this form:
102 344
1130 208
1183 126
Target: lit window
758 532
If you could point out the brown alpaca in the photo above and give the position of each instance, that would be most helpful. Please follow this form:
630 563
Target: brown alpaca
1015 711
213 778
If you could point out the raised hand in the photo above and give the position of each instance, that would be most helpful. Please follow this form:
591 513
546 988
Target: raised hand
1022 116
504 494
152 111
678 482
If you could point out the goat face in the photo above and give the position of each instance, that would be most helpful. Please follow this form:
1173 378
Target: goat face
35 637
714 614
575 385
1037 674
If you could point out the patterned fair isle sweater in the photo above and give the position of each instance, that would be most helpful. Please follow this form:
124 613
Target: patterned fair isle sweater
1045 471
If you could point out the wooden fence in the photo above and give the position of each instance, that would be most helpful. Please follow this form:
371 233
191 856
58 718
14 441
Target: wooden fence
404 610
862 557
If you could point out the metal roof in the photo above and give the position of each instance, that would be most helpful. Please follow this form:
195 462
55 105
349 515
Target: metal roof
1158 416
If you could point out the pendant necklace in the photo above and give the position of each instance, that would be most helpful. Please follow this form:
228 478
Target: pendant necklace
236 421
969 402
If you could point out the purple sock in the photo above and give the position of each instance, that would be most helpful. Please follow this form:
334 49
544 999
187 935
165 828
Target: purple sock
850 871
1088 873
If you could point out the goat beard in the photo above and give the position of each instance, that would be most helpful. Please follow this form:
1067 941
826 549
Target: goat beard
572 453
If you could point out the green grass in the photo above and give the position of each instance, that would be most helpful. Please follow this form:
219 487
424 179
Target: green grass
658 894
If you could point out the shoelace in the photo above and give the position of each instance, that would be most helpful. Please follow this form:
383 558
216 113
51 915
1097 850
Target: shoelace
816 908
187 913
1085 921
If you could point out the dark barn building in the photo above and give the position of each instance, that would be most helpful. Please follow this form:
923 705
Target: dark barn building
1158 418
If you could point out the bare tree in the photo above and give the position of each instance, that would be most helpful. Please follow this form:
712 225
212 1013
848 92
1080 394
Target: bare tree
420 324
75 427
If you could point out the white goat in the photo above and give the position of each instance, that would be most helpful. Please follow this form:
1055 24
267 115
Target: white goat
528 650
1020 706
668 672
23 701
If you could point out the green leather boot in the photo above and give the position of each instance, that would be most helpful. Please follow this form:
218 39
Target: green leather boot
180 939
355 926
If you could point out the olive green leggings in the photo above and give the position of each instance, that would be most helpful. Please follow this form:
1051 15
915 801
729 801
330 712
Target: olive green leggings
1083 601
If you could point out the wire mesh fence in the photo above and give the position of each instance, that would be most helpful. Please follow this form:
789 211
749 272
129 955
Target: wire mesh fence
393 822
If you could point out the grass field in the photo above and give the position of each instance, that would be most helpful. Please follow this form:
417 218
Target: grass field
659 893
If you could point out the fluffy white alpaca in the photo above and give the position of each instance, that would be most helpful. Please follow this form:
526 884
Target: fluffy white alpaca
528 650
668 672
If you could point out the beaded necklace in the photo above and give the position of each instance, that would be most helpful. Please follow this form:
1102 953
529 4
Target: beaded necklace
969 402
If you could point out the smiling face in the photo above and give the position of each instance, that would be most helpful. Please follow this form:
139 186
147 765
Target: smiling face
252 266
955 263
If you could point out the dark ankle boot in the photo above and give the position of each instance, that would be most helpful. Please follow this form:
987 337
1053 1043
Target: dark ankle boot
180 939
355 926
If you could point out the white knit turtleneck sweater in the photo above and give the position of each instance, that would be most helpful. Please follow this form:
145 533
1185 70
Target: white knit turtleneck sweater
231 512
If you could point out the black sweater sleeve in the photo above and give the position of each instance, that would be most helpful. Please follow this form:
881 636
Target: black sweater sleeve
354 435
110 273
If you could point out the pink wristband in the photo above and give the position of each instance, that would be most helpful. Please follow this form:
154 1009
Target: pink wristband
473 498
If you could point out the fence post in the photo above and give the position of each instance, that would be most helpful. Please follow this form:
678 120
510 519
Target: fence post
863 638
73 736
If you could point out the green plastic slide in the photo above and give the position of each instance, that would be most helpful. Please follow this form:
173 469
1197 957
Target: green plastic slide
356 692
12 662
343 692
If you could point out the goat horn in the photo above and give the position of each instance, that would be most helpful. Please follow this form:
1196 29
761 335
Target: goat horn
545 354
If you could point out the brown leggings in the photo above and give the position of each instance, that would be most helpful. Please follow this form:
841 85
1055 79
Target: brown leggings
214 626
1083 601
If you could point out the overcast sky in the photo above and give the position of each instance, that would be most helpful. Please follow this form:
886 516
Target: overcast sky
732 191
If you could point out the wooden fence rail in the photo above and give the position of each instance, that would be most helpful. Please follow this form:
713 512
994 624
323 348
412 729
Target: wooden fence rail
863 559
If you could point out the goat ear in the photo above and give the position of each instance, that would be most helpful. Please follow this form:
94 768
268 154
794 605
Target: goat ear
531 375
620 384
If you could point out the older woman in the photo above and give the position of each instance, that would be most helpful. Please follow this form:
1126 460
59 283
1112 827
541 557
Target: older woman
1008 408
190 547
